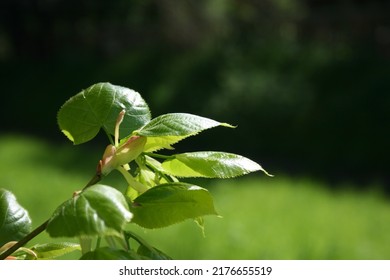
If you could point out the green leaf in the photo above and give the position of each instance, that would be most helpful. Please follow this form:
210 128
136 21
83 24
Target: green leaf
98 211
145 249
152 253
54 250
210 165
171 203
15 222
107 253
168 129
83 115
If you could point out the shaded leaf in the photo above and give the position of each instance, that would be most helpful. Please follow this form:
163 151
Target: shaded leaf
15 222
210 165
172 203
145 249
152 253
83 115
98 211
107 253
168 129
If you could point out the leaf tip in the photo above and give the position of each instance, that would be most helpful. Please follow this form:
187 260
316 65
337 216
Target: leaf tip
228 125
266 173
68 135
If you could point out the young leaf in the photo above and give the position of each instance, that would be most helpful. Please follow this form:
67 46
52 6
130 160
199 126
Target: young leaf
171 203
15 222
98 211
54 250
169 129
83 115
210 165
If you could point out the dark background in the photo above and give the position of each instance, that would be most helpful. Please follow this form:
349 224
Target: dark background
307 82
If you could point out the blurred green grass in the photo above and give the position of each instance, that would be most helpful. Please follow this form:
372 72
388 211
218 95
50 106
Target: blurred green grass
263 218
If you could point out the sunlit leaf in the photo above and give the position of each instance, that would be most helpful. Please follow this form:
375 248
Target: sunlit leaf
15 222
98 211
98 106
54 250
155 143
172 203
210 165
168 129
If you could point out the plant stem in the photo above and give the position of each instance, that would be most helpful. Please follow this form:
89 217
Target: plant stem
99 239
96 178
117 125
86 244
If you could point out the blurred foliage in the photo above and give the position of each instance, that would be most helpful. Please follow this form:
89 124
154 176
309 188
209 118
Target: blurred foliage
305 81
294 219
